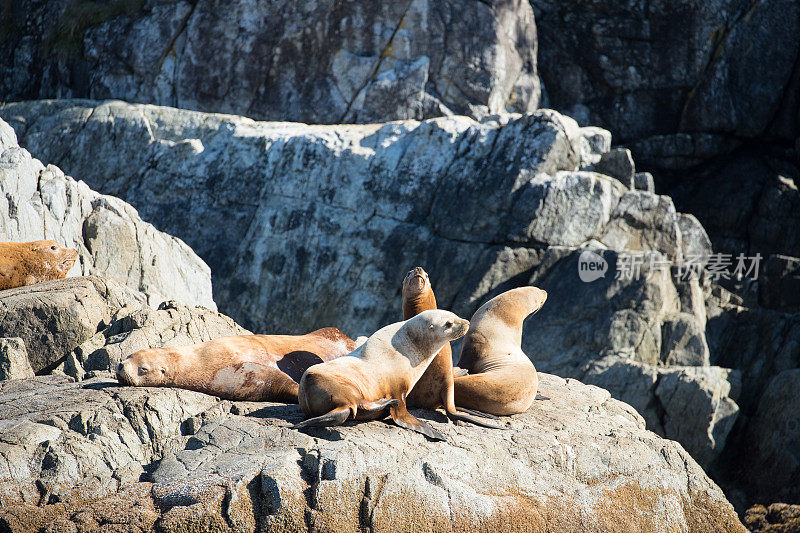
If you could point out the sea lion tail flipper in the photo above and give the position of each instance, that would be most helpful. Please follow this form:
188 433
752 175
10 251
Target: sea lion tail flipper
464 417
337 417
478 413
406 420
540 397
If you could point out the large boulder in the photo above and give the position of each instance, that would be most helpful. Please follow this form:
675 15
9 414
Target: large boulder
54 317
580 461
316 62
38 202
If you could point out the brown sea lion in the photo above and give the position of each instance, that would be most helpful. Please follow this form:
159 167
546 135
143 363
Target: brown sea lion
26 263
435 388
256 368
379 374
501 379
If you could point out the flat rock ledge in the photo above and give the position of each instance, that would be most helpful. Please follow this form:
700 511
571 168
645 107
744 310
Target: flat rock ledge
90 455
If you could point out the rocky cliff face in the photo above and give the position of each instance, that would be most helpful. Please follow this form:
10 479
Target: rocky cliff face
40 202
312 62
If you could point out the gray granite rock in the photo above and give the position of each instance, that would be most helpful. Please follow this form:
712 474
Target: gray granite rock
579 460
14 362
313 62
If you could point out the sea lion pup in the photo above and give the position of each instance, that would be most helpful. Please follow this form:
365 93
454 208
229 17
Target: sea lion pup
26 263
501 379
435 388
379 374
256 368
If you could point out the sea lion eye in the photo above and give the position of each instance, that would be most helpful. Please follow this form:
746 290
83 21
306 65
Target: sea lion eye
143 370
53 248
448 324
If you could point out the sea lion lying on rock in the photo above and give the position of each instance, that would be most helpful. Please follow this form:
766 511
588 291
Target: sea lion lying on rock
26 263
379 374
254 368
501 379
435 388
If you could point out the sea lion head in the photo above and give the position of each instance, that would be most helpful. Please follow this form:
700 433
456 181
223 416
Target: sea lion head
145 368
54 257
417 293
438 325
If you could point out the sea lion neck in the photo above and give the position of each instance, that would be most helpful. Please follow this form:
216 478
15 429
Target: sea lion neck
414 304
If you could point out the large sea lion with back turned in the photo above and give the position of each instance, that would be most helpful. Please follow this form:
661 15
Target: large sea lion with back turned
379 374
256 368
26 263
435 388
501 379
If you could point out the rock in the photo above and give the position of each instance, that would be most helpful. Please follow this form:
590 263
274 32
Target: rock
773 438
38 202
779 284
596 142
683 341
316 63
643 181
580 457
54 317
173 324
694 405
14 362
775 518
618 163
696 245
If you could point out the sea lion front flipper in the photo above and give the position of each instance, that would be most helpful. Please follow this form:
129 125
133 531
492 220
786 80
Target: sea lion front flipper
337 417
372 410
464 417
478 413
406 420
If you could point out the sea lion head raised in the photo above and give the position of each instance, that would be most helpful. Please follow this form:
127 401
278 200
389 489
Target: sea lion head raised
145 368
54 257
417 293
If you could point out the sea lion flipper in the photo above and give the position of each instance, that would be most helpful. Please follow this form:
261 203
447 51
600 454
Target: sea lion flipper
478 413
473 420
376 408
406 420
337 417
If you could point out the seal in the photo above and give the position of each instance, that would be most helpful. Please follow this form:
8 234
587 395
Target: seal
256 368
379 374
501 379
26 263
435 388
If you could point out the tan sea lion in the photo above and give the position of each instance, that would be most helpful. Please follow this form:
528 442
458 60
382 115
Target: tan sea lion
501 379
435 388
256 368
379 374
26 263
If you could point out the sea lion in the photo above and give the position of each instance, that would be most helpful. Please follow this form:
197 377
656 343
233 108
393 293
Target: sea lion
256 368
501 379
379 374
26 263
435 388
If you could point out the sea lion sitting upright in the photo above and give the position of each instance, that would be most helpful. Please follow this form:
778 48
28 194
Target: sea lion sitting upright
435 388
26 263
379 374
502 379
256 368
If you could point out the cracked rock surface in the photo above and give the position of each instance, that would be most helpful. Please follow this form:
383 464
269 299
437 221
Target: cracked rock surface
313 62
579 460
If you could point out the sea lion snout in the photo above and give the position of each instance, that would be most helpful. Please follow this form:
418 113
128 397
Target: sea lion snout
416 280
